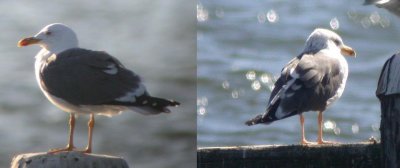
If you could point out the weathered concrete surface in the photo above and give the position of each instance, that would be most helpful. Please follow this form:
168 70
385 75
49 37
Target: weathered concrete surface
67 160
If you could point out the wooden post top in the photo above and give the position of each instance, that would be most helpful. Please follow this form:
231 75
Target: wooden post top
389 80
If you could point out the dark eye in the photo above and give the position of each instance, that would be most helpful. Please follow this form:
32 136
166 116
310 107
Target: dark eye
47 33
337 42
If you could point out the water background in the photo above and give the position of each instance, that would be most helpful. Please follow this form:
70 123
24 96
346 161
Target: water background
156 39
243 45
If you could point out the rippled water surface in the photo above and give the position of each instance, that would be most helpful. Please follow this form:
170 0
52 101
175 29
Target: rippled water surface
242 46
154 38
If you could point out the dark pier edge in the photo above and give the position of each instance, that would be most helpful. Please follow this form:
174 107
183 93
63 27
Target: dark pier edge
318 156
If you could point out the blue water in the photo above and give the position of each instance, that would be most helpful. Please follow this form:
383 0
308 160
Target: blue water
243 45
156 39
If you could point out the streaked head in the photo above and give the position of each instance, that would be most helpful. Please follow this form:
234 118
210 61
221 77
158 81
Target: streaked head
326 39
55 37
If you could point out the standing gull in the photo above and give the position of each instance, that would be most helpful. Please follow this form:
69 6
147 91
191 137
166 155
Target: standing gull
310 82
81 81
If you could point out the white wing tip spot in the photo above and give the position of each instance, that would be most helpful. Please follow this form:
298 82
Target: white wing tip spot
293 73
154 104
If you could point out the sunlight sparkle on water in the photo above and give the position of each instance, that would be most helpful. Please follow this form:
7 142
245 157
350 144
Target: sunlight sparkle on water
251 75
334 23
202 101
235 94
268 80
272 16
355 128
329 125
375 18
256 85
265 78
367 21
225 84
201 111
202 13
336 130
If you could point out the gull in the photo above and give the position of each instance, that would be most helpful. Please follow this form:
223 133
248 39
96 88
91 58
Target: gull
82 81
312 81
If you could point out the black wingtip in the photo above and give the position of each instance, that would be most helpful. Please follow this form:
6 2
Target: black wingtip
254 121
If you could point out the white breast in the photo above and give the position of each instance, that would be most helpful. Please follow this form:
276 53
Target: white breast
344 70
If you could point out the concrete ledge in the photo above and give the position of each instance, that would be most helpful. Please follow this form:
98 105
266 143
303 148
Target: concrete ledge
265 156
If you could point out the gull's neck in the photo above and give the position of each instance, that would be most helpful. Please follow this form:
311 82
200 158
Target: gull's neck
43 54
48 50
56 48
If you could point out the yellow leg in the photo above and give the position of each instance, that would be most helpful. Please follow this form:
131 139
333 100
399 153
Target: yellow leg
303 136
70 146
90 136
320 140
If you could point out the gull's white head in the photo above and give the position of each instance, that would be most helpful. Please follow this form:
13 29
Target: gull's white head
325 39
55 38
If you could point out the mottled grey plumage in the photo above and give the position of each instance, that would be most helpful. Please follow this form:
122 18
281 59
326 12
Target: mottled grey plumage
392 6
310 81
310 92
